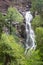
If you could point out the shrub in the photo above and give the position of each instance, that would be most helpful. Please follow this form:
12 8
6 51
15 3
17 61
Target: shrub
14 14
39 40
11 51
2 23
37 5
37 22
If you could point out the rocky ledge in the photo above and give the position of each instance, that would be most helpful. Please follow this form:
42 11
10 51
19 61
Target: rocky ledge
21 5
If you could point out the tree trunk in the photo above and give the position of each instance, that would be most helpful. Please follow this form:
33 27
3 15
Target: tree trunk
7 59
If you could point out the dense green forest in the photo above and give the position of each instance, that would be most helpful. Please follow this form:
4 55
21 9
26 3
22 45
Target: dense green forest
11 48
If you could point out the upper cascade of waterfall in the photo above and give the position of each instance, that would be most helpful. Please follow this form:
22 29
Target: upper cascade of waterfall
28 16
30 39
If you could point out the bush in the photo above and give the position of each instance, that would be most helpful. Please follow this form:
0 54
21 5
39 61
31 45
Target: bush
14 14
33 57
12 53
2 23
37 22
39 40
37 5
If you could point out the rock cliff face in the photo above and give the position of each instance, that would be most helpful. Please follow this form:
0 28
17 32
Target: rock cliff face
19 4
4 4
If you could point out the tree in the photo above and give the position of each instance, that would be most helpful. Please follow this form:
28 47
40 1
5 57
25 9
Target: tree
2 23
13 16
37 22
12 53
39 40
37 5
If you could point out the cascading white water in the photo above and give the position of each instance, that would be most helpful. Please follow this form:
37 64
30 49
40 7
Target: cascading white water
30 40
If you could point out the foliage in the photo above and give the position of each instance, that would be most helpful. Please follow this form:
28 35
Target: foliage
14 14
39 38
8 46
12 51
33 57
37 5
2 23
37 22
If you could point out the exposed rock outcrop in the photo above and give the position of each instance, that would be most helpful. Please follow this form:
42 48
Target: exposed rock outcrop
22 31
19 4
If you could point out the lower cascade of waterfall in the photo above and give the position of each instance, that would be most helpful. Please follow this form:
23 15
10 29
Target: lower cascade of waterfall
30 39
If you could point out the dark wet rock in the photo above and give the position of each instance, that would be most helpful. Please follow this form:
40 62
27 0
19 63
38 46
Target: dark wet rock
15 23
21 30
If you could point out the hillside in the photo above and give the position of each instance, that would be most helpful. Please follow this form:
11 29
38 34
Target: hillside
19 4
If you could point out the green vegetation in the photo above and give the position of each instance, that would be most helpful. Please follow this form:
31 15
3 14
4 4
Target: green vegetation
37 22
11 49
13 14
39 38
37 5
13 53
38 26
2 23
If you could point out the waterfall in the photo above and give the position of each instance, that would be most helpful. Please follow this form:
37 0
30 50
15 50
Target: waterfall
30 39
